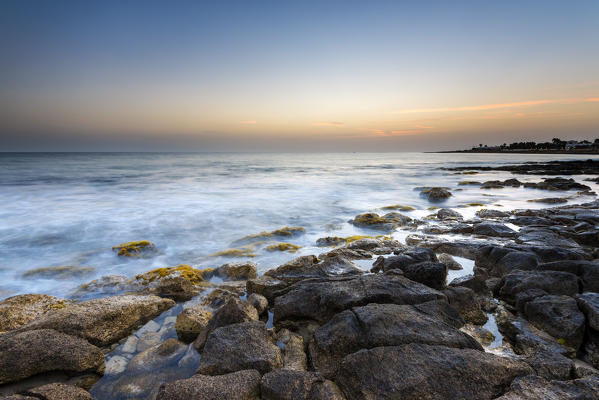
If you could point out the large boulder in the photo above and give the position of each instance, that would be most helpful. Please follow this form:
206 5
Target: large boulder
418 371
524 285
237 347
305 267
18 310
103 321
234 311
29 353
378 325
559 316
319 300
535 388
240 385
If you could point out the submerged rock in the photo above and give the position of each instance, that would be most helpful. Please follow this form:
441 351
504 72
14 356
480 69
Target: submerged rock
62 272
29 353
139 249
237 347
240 385
103 321
418 371
435 194
19 310
285 232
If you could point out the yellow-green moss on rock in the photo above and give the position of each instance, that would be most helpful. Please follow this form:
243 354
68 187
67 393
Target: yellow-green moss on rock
337 240
193 275
135 249
62 272
399 207
245 251
290 247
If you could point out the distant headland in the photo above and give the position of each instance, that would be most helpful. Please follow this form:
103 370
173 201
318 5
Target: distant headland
556 146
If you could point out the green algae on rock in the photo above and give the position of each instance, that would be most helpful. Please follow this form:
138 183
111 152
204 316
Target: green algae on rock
193 275
141 248
245 251
399 207
434 193
386 222
19 310
62 272
337 240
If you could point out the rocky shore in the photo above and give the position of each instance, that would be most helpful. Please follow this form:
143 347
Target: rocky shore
524 324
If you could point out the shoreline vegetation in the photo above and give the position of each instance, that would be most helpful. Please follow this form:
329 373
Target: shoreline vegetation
556 146
368 317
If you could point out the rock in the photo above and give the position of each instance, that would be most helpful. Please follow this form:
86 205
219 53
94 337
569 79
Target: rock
448 213
432 274
294 356
589 304
550 365
139 249
108 284
378 325
559 316
284 384
326 390
514 285
482 335
550 200
435 194
465 302
406 257
534 388
156 357
243 270
485 213
259 302
319 300
494 229
470 281
191 321
130 344
284 232
180 283
103 321
387 222
377 245
442 311
240 385
543 237
18 310
588 271
418 371
557 184
62 272
58 391
460 248
237 347
305 267
265 286
218 297
25 354
449 262
234 311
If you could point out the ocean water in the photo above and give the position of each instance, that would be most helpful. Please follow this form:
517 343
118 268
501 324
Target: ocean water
69 209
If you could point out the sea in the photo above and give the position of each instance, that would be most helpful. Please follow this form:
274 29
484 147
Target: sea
70 209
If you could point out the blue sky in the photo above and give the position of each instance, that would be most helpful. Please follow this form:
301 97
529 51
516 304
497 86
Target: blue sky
412 75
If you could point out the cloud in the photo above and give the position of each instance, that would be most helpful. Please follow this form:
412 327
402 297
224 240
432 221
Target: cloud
397 132
250 122
328 123
496 106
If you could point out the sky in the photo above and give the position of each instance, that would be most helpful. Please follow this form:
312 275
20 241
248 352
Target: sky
336 75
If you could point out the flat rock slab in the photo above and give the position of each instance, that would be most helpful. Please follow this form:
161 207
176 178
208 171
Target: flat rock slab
19 310
377 325
535 388
240 385
237 347
59 391
25 354
103 321
418 371
319 300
